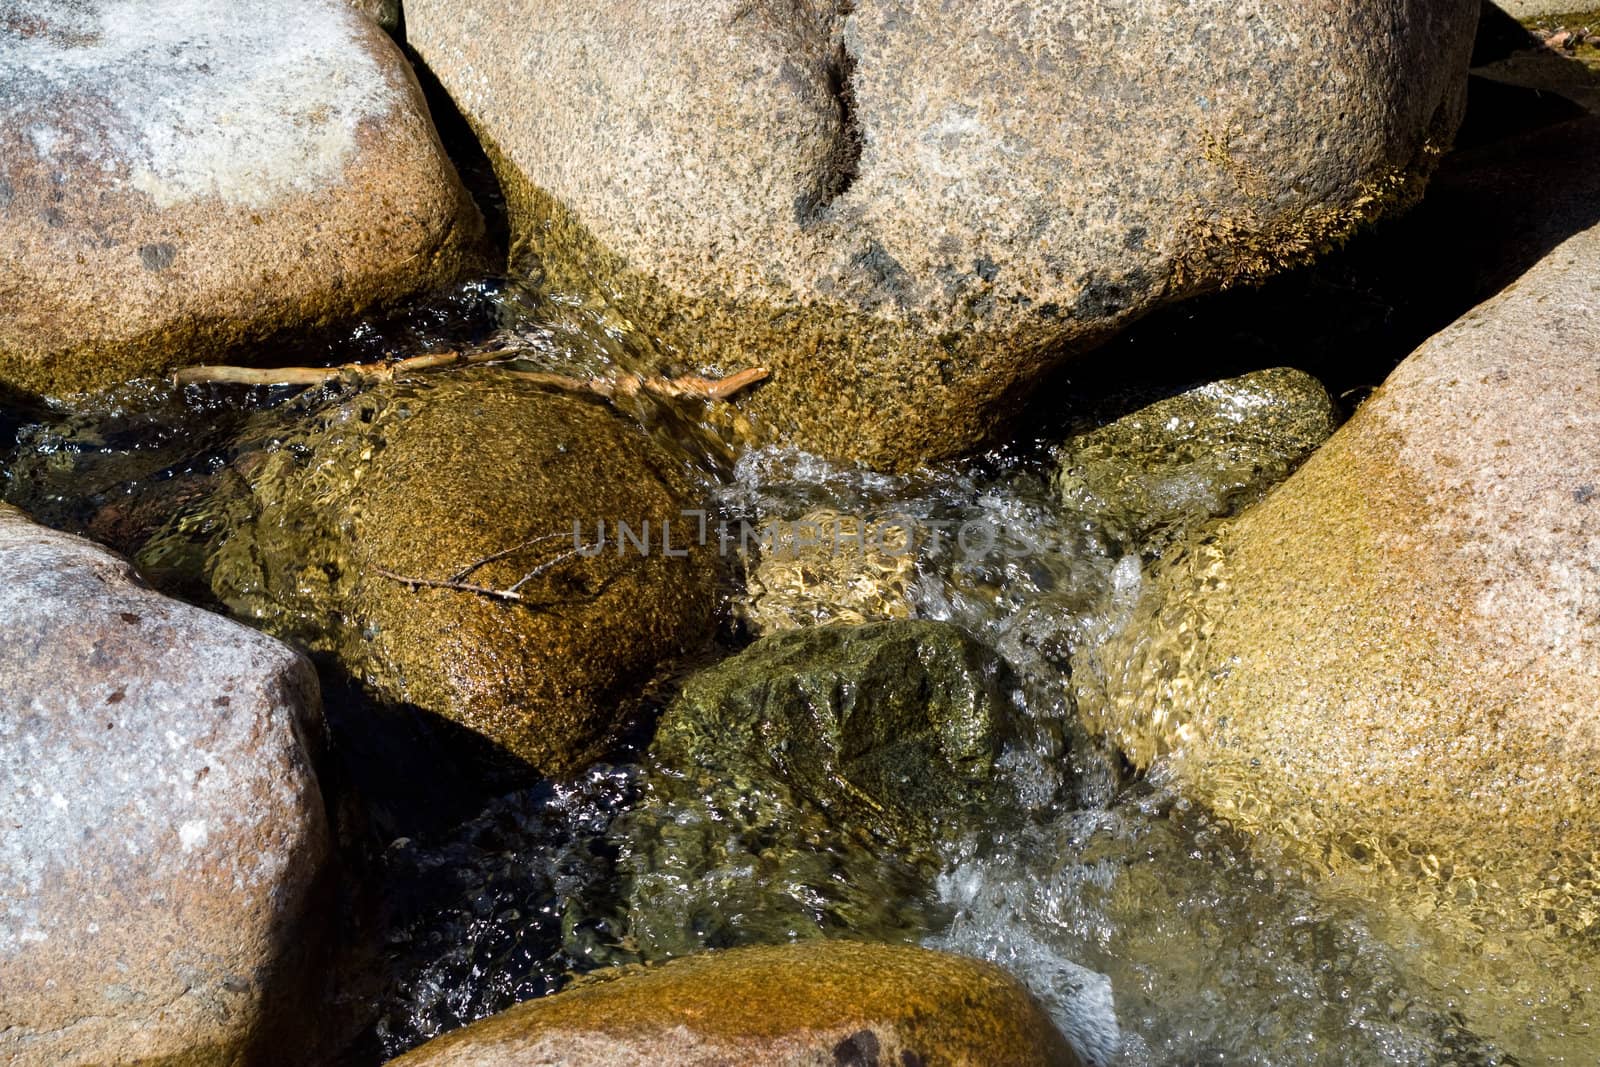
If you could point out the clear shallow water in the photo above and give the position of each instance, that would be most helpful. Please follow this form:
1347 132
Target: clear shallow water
1154 937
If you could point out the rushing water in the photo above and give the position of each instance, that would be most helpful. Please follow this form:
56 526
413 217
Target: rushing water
1154 936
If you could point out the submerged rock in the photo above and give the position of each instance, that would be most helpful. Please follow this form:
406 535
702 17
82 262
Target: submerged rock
178 181
827 568
164 832
1391 667
885 725
834 1003
453 544
1206 453
910 212
798 786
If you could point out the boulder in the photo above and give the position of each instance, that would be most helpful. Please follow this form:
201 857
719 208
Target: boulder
454 544
1390 668
827 1003
909 211
1201 454
1571 70
796 788
164 834
178 181
1528 9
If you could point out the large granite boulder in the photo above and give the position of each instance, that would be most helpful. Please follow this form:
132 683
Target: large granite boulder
164 834
910 211
828 1003
1390 669
182 179
453 543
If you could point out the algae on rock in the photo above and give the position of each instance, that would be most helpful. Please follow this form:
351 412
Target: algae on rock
796 789
1202 454
437 540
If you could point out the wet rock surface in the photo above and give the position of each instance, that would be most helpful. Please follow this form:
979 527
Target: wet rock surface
832 1003
1202 454
824 568
1388 668
884 726
797 788
177 182
842 192
454 567
164 855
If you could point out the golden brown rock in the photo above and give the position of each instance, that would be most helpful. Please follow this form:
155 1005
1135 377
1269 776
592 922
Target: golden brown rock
817 1003
427 535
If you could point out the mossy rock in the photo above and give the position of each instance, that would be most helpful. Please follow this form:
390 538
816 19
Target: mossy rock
1205 453
797 789
889 723
835 1003
346 532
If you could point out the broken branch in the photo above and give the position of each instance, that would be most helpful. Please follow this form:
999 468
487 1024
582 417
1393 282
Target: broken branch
513 592
367 372
625 385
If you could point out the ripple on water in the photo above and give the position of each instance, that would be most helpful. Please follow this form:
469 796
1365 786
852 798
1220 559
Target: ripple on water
1154 936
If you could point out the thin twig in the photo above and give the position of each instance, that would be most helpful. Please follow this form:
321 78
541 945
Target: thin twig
460 587
544 568
368 372
625 385
461 575
512 593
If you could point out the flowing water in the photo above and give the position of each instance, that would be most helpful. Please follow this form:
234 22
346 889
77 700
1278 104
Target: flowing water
1154 936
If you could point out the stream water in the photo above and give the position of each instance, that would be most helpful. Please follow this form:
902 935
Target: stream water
1154 936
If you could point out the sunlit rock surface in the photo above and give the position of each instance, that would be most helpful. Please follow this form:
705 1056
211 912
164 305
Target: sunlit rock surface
910 211
178 180
1391 667
1205 453
827 1003
163 829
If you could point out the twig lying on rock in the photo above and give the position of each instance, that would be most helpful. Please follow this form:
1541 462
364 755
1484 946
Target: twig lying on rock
513 592
367 372
624 385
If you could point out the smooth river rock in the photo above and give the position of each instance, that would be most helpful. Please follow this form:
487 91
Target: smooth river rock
162 832
182 179
910 211
453 544
833 1003
1391 667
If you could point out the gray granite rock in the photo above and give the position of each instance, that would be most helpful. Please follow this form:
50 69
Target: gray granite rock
181 179
162 832
910 211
